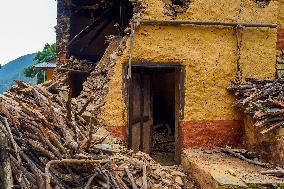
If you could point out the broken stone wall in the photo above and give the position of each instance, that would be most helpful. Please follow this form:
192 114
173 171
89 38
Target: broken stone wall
96 87
63 27
209 56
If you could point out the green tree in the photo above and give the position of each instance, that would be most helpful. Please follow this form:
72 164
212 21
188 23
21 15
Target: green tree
46 55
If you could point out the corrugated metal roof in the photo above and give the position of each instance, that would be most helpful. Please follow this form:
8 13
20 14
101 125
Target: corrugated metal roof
45 65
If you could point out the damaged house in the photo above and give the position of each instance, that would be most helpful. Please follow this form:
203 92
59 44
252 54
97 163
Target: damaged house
158 70
152 75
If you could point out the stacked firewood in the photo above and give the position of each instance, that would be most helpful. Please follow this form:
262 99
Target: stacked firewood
264 100
49 145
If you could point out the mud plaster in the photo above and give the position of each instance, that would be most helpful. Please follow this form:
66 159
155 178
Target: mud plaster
208 54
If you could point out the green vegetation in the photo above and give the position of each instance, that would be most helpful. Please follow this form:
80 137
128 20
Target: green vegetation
262 187
280 186
14 71
46 55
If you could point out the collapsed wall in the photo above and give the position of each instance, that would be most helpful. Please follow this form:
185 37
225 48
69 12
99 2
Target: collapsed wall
71 59
202 50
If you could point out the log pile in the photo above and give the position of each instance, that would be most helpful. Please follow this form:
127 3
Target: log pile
51 146
264 100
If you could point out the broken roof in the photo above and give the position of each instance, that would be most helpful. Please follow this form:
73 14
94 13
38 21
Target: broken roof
45 65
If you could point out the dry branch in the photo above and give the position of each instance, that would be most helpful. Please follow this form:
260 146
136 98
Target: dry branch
238 155
48 150
276 172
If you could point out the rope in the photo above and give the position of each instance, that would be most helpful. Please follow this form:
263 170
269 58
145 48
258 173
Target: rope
239 73
130 51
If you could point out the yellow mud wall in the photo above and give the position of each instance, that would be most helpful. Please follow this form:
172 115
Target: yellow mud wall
114 112
237 10
208 54
280 20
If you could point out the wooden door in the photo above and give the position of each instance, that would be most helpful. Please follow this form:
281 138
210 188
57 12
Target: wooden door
140 120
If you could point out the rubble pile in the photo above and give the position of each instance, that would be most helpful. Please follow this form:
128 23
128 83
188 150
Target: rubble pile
163 143
264 100
97 82
75 64
51 146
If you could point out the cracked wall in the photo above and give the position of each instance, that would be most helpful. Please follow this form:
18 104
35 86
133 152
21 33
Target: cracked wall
209 56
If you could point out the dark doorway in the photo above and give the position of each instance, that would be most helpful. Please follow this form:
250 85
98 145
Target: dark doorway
76 80
154 111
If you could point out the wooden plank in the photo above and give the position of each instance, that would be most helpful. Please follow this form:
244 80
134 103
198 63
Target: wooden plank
141 110
208 23
161 65
136 112
138 119
178 85
130 111
147 137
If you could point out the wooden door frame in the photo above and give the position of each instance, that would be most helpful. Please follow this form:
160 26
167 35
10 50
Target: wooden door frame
179 99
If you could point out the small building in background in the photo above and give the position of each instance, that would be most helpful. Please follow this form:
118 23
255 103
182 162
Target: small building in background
48 69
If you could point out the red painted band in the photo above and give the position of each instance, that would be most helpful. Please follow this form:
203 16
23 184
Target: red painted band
280 39
206 133
117 131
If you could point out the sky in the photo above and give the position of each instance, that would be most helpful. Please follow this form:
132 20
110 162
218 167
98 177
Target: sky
25 27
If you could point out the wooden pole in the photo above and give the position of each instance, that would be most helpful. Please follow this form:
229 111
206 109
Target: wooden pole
6 180
207 22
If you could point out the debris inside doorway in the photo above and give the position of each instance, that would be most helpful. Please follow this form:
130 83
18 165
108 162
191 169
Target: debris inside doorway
163 146
154 98
50 144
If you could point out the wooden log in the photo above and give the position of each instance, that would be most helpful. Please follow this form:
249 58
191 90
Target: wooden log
130 176
6 180
273 127
64 161
144 178
90 180
231 152
276 172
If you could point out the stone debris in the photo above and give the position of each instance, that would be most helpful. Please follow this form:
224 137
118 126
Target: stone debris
163 141
262 3
220 170
52 146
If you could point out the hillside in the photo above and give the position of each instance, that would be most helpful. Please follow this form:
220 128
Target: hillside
13 71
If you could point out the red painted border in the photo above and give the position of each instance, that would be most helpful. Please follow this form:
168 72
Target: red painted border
280 39
117 131
201 133
206 133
